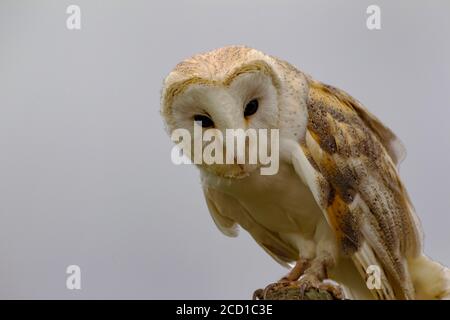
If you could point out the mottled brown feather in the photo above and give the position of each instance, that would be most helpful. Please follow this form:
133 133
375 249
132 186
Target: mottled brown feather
350 154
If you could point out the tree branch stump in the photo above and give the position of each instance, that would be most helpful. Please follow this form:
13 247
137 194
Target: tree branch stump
291 291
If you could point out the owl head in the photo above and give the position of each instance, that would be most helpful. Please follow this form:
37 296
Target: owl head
234 87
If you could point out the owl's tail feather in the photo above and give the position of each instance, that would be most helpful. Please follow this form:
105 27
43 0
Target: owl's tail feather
431 280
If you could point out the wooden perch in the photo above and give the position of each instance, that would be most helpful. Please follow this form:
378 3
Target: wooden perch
291 291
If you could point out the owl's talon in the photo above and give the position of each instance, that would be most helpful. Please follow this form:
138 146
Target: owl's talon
296 272
284 280
335 290
308 282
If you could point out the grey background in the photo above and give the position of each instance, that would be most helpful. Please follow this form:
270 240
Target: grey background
85 170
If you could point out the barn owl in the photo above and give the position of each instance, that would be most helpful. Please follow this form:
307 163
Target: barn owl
336 207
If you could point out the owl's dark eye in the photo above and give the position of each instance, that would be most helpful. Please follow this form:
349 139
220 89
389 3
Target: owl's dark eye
251 108
205 121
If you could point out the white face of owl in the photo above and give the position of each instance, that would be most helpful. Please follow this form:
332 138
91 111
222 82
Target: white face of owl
248 101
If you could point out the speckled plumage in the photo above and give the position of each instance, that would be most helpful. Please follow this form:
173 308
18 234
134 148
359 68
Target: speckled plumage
337 201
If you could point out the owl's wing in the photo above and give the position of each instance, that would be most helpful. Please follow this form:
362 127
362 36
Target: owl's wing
348 159
226 225
227 213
